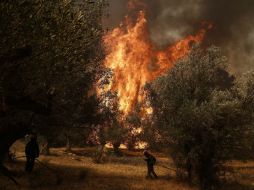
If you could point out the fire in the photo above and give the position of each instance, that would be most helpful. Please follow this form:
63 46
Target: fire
135 60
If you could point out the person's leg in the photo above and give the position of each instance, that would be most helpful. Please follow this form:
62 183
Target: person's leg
149 171
153 172
147 175
32 164
30 160
27 164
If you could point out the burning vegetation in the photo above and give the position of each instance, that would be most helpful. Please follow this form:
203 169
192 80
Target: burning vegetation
135 60
179 99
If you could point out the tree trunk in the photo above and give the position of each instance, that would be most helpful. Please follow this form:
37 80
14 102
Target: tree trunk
100 153
130 146
45 147
68 144
116 146
206 174
3 104
131 143
189 171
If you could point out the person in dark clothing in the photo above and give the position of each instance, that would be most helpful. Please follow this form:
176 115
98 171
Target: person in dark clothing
150 160
32 152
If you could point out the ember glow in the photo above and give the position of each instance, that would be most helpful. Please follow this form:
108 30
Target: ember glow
135 60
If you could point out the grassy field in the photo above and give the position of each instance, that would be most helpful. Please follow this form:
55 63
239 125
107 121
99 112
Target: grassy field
77 170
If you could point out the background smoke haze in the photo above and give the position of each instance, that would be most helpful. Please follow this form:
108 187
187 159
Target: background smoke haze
171 20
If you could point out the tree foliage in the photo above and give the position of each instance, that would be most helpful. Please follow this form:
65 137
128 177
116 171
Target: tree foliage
49 53
201 114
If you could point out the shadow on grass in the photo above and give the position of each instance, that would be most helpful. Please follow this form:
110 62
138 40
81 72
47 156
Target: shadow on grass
44 176
48 176
236 186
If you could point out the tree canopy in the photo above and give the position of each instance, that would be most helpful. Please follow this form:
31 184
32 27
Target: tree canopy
49 52
202 114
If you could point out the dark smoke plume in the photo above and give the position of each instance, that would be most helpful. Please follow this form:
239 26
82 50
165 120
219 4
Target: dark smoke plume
171 20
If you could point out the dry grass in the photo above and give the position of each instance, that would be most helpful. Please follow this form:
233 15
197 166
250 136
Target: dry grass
78 171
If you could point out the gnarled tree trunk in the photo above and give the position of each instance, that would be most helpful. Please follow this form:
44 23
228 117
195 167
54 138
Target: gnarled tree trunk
116 146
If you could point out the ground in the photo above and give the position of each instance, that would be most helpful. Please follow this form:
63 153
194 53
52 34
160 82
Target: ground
77 170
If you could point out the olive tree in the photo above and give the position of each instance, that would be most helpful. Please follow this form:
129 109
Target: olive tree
201 115
49 53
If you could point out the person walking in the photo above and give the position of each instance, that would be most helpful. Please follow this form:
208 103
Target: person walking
150 160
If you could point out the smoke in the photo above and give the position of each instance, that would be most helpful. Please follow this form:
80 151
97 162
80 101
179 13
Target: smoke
171 20
234 30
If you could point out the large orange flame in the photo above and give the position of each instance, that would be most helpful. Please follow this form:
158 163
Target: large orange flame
134 59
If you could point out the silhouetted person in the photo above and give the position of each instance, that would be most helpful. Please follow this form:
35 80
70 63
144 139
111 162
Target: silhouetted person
32 152
150 160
